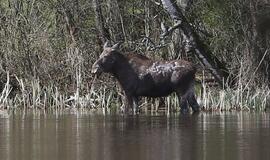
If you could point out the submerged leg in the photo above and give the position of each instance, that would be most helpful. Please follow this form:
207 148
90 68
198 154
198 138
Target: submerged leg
188 97
193 102
130 103
127 104
183 102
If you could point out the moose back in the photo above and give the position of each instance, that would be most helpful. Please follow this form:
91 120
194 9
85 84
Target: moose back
140 76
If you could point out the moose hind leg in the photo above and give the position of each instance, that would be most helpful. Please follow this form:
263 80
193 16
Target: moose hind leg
127 104
193 102
183 102
191 98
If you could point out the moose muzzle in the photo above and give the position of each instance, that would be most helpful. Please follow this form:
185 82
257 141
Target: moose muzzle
96 69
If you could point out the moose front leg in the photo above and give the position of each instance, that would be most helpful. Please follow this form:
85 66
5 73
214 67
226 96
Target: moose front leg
127 103
130 102
133 104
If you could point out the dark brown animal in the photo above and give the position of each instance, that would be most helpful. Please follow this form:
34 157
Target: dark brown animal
141 76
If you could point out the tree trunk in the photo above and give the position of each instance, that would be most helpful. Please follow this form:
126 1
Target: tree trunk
117 28
257 55
103 34
184 4
217 69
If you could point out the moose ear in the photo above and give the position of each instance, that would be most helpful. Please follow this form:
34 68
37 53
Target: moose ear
106 45
116 46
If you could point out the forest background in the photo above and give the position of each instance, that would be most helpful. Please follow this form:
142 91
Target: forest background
47 49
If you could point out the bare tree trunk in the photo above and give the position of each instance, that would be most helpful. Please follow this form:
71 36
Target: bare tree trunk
117 28
103 34
185 4
257 47
217 69
178 41
147 17
71 28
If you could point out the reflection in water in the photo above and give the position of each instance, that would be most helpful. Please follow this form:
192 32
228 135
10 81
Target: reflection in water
241 136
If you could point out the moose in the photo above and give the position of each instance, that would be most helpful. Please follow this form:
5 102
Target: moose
139 76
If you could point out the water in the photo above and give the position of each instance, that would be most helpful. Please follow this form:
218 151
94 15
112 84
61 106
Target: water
207 136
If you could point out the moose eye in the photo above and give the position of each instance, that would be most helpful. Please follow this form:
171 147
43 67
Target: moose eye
107 59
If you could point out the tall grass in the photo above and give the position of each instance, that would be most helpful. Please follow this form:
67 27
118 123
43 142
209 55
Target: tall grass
235 99
4 101
33 96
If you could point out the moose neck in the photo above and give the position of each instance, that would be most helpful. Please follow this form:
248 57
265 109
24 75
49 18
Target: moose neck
123 71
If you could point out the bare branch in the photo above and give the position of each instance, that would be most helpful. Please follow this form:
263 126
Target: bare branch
167 31
150 45
216 67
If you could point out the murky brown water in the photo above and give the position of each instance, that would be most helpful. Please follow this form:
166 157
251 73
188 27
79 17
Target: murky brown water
216 136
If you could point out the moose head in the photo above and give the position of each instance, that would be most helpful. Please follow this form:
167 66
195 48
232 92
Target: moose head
106 60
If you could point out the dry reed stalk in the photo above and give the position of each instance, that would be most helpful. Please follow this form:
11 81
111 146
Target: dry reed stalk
5 93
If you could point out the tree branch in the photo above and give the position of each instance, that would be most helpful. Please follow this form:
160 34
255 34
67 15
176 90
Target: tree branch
216 67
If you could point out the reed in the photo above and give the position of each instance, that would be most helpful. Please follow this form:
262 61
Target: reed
33 96
235 99
4 101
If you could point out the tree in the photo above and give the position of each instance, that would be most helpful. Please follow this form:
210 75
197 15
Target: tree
215 66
